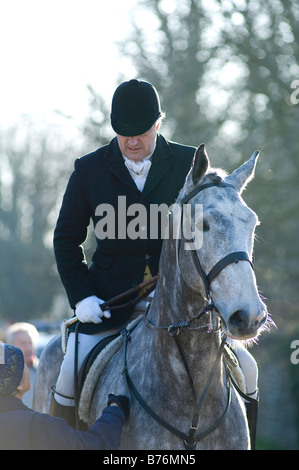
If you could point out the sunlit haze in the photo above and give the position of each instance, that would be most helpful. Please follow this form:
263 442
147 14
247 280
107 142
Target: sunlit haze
51 50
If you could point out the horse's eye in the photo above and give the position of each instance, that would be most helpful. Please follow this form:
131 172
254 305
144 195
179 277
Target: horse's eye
205 226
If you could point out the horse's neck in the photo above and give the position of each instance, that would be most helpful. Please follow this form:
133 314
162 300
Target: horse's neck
174 303
174 300
199 347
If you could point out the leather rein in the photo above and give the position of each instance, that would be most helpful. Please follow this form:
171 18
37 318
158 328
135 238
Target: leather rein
192 437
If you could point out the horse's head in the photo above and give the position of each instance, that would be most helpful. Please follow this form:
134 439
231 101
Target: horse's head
226 228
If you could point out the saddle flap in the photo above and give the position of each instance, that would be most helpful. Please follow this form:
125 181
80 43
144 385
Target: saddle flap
232 362
98 360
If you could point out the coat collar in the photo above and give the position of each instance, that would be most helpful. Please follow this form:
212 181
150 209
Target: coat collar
117 165
160 164
9 403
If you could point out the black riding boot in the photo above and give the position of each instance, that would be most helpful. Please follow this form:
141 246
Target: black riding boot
66 412
251 412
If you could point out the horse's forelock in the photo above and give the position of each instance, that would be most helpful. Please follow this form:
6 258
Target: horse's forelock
214 175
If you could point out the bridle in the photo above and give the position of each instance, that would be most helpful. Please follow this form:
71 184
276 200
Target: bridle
234 257
207 279
192 437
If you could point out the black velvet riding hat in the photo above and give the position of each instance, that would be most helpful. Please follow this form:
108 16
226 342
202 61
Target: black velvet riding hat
135 108
11 368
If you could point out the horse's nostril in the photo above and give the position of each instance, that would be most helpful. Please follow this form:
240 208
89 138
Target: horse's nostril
239 319
261 320
241 323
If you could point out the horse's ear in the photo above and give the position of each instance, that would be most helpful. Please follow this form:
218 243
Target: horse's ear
200 164
240 177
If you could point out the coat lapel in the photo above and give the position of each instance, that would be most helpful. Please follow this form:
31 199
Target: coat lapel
160 165
117 165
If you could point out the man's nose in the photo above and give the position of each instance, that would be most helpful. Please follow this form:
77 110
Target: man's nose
133 141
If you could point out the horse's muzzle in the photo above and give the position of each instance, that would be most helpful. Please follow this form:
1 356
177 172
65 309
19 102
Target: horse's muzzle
244 325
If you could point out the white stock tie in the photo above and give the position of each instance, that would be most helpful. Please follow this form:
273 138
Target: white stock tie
138 171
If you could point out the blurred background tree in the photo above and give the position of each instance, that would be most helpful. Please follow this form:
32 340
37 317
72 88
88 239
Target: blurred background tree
33 171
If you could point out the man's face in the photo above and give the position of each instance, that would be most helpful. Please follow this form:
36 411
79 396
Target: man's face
24 342
140 146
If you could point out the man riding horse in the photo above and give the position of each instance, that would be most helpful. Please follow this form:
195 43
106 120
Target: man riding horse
138 166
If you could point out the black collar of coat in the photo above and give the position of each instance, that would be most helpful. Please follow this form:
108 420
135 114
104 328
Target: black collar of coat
9 403
160 164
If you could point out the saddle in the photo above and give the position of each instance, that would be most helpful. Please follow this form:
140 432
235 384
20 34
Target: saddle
90 358
94 365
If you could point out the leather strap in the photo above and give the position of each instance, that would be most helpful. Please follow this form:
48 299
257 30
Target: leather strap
205 186
229 259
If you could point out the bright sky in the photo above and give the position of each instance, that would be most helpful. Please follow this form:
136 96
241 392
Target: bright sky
51 49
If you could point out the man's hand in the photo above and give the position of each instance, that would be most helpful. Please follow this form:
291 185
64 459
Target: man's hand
121 401
89 310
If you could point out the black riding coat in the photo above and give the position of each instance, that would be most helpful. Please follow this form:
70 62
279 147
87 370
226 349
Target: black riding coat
118 263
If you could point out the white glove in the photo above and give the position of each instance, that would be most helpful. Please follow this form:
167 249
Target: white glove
89 310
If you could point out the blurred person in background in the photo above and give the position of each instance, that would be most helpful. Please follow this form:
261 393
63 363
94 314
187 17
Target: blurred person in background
25 337
2 336
21 428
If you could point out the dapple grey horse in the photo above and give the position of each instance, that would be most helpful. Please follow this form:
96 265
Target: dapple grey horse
171 362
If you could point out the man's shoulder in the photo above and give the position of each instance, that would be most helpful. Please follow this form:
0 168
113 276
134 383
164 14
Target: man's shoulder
92 162
178 145
92 157
179 149
182 155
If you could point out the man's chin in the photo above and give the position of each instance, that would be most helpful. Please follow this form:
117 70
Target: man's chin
135 156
